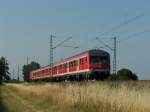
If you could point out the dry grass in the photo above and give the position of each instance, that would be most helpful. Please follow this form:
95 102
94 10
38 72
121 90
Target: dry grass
84 97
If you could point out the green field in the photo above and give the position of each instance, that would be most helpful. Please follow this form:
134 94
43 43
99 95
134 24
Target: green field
76 97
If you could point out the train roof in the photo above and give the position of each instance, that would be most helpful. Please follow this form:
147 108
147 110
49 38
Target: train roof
85 52
80 54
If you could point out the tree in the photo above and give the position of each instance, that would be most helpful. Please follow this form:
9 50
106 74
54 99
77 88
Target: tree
28 68
126 74
4 70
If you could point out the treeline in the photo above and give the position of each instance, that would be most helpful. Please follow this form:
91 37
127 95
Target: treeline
5 75
4 70
122 74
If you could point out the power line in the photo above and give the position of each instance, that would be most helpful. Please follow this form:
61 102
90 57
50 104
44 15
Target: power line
74 47
126 22
106 45
133 35
62 42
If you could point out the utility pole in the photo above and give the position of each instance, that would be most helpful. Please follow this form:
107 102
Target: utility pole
51 50
51 53
115 56
114 50
13 74
18 73
27 60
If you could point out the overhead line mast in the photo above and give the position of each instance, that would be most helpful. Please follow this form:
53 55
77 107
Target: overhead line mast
51 50
114 49
115 57
18 77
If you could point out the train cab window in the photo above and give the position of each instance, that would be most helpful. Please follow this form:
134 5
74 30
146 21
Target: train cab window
99 60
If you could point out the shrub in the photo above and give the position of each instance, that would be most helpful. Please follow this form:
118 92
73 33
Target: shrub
126 74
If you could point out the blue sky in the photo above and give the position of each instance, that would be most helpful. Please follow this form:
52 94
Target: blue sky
25 27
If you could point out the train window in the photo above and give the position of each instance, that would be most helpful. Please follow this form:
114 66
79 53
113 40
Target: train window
65 66
81 62
70 64
55 68
59 67
75 63
46 70
85 59
49 69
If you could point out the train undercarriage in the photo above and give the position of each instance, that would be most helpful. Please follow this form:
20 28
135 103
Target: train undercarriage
84 76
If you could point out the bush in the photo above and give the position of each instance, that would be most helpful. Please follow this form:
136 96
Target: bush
126 74
123 74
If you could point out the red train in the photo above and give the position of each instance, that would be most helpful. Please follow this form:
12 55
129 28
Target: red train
92 64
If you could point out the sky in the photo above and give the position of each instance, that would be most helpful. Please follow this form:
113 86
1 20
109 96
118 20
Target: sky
26 26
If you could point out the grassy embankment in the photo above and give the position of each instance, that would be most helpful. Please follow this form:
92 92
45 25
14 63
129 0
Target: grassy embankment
76 97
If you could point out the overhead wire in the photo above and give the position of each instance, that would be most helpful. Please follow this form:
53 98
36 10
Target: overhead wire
118 27
126 22
59 44
134 35
74 47
106 45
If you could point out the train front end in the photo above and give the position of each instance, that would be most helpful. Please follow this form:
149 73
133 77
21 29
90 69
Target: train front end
99 64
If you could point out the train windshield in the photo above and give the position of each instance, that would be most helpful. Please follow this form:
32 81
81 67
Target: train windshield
99 60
